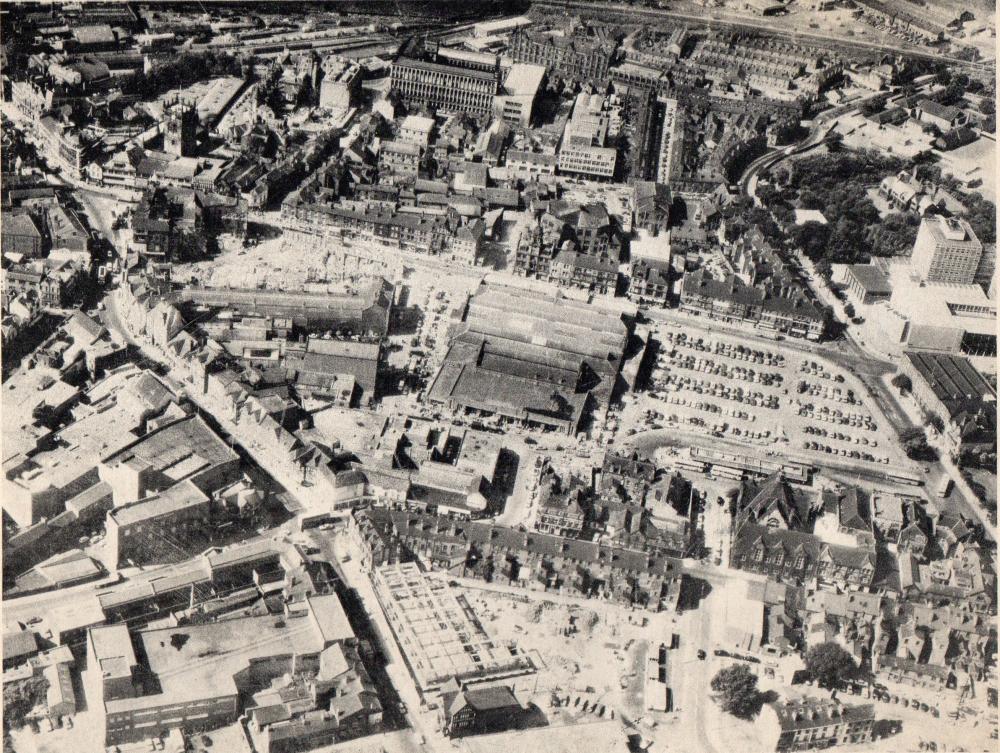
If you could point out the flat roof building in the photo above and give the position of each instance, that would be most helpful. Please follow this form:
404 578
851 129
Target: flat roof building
200 671
110 653
180 450
365 311
582 148
500 26
868 284
416 129
942 317
217 100
160 527
341 84
516 101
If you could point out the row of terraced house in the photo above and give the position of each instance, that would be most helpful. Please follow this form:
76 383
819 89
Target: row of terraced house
535 561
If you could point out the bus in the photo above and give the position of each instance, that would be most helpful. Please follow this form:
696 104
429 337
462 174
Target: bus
944 486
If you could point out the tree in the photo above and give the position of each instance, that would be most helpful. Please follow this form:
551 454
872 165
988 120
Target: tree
830 665
953 93
736 691
935 420
874 105
916 448
902 383
19 698
982 216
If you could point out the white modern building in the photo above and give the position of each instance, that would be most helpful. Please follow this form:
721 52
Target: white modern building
946 250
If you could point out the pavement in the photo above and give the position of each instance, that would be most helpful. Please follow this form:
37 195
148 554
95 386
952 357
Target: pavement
421 720
961 496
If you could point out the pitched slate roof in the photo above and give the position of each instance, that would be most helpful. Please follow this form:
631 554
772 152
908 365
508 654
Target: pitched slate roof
774 495
21 224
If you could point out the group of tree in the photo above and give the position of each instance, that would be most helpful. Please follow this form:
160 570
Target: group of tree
978 458
735 686
837 184
186 69
874 105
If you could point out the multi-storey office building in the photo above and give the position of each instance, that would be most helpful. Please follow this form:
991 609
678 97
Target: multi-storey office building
946 250
445 87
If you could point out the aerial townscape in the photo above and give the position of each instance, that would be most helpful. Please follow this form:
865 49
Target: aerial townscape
398 376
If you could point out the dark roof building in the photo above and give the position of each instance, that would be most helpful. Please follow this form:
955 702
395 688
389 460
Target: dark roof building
527 559
938 114
473 710
20 235
651 206
773 535
952 388
650 281
781 308
18 647
573 56
531 357
316 367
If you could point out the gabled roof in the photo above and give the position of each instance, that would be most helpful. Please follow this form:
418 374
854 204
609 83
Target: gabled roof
938 110
855 509
775 494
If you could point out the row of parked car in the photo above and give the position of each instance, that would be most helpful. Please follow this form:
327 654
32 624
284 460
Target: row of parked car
737 352
886 697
